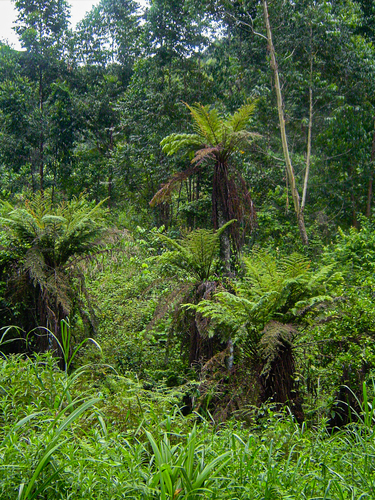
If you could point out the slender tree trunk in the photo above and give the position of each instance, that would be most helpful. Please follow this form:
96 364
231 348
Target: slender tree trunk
110 180
289 167
371 179
41 137
309 134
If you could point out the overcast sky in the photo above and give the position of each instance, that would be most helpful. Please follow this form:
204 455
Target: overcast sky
8 16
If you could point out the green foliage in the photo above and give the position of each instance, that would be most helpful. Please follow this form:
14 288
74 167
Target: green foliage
272 288
79 451
343 352
87 111
354 251
196 253
54 231
175 142
182 470
214 136
48 241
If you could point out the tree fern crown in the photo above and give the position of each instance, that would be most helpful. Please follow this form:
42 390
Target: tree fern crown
215 135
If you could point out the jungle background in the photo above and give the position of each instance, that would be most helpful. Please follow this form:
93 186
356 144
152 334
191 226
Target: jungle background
187 251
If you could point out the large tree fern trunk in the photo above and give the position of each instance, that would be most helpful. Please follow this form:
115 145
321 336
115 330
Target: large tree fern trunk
201 347
221 211
278 371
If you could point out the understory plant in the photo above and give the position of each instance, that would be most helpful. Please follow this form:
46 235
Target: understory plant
196 255
48 241
83 451
263 312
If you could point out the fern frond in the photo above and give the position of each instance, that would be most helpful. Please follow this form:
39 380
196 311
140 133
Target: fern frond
196 253
218 312
273 288
294 265
22 224
241 117
203 154
324 275
183 253
208 123
308 304
275 337
221 229
175 142
166 190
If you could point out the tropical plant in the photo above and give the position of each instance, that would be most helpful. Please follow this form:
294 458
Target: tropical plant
216 140
195 253
271 289
183 471
274 292
49 241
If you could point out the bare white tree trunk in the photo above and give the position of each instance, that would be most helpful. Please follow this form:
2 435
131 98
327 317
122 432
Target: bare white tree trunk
289 167
309 134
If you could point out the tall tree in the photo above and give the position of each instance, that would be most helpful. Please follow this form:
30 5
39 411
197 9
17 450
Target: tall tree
41 26
110 33
298 207
175 29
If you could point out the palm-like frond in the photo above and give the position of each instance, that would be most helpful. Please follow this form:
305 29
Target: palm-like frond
204 153
175 142
238 312
213 133
165 192
50 236
240 119
207 123
80 230
227 310
196 252
22 224
240 140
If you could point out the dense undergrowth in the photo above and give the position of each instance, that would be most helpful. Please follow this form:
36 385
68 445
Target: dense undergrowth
103 436
197 385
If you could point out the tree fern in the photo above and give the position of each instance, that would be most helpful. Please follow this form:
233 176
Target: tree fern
50 238
174 142
215 140
272 289
196 252
255 317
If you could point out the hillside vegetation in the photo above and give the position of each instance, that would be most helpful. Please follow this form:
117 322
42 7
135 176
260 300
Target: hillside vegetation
187 251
